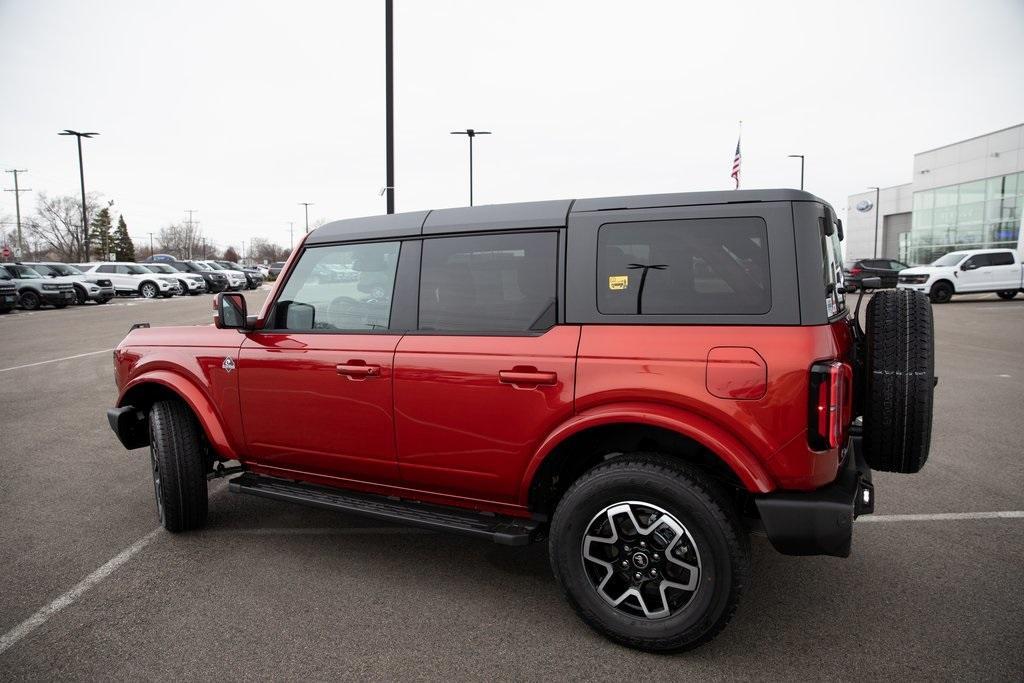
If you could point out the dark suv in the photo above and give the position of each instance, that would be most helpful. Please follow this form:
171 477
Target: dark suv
857 270
640 381
215 282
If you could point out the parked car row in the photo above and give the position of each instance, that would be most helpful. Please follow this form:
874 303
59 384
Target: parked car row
969 271
29 285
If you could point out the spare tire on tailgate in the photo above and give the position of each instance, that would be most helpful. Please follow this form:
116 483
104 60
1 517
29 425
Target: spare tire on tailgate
900 381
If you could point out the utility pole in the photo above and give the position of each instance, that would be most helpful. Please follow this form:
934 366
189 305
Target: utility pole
801 157
307 205
291 235
190 237
470 133
874 254
389 102
151 250
81 177
17 205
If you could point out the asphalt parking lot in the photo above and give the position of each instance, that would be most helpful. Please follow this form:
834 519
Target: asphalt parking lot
273 591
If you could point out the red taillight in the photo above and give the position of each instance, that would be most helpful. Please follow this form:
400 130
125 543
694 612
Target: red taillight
831 403
855 270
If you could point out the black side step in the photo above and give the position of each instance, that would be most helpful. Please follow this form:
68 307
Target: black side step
498 528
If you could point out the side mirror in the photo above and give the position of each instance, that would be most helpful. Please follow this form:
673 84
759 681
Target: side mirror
871 283
970 265
229 311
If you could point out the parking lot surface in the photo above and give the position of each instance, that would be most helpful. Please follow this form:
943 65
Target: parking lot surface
272 591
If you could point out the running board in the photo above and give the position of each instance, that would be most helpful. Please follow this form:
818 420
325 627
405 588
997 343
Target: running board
498 528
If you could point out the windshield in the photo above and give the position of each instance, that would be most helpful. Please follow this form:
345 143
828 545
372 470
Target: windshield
230 264
138 270
950 259
201 266
23 272
161 268
61 269
215 266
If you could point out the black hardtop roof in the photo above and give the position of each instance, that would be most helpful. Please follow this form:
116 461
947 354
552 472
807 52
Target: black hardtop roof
544 214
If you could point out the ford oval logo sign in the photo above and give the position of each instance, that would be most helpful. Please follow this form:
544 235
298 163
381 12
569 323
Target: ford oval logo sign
864 206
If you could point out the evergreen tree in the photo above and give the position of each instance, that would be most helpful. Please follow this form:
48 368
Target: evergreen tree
100 241
231 255
123 244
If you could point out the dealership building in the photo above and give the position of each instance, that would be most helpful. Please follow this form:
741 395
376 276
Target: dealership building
966 195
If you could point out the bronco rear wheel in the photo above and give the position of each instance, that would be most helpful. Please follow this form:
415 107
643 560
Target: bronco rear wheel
1007 295
900 382
649 552
177 457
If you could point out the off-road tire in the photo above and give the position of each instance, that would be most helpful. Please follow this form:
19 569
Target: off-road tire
177 455
700 504
900 380
29 300
941 293
1007 295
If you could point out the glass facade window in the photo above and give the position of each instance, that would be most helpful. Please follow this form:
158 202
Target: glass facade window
982 214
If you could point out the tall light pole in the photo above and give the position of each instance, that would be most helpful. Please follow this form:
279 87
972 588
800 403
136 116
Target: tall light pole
801 157
291 235
307 205
470 133
874 253
389 102
81 177
17 205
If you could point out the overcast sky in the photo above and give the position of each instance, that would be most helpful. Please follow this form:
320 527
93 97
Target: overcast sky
240 110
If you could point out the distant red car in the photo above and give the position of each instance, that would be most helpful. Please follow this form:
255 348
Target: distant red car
641 380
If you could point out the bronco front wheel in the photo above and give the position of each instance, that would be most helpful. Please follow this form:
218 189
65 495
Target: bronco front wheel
650 553
177 457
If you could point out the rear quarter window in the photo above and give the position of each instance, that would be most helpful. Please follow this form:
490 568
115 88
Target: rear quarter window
710 266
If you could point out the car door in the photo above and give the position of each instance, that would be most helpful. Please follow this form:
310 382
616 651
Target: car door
1005 270
316 382
489 373
975 274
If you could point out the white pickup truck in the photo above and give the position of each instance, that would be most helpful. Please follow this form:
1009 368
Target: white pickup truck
967 272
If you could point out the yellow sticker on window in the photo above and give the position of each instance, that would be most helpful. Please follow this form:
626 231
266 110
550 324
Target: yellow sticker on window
618 281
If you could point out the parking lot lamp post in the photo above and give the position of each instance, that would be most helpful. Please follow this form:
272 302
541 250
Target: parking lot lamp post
307 205
470 133
801 157
874 253
81 177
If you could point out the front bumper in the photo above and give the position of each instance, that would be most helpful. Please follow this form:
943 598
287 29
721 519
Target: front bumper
101 293
820 522
60 296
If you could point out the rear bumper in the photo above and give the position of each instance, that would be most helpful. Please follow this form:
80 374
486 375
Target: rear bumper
821 522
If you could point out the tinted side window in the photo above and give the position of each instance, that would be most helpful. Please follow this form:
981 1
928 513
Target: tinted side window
710 266
106 269
341 287
1001 258
977 261
489 283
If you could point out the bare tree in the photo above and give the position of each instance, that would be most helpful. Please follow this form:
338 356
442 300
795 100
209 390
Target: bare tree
264 250
183 240
58 224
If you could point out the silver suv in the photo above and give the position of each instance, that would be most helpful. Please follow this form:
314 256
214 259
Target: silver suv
34 289
133 278
89 287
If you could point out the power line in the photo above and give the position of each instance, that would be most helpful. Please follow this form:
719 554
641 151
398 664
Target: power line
17 204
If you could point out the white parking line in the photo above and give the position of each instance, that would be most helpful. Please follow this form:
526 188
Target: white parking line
939 516
56 360
12 637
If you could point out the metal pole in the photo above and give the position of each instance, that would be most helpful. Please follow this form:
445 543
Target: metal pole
151 250
801 171
877 210
389 103
85 217
17 206
307 205
471 170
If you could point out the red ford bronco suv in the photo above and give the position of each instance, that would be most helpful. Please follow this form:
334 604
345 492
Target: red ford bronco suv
642 381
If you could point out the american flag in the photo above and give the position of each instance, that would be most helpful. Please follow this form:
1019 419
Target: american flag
736 164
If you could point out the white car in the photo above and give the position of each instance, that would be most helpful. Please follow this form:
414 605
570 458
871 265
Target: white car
132 278
190 283
236 278
971 271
